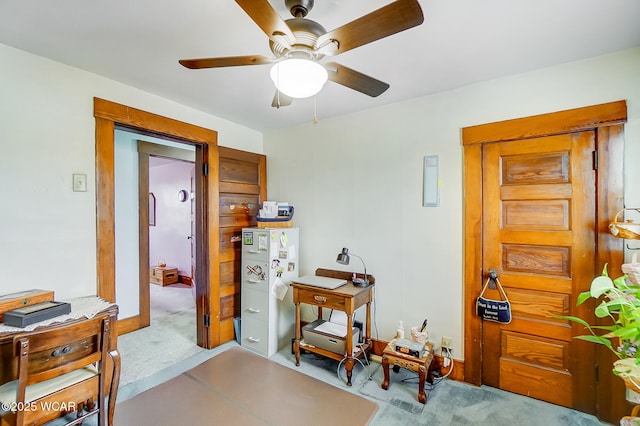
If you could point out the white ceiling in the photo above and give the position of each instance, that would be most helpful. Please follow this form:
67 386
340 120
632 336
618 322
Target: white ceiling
461 42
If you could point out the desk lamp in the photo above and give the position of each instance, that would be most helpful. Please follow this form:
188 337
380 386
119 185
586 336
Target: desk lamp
343 259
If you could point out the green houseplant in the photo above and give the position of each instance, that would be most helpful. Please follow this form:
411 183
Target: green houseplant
620 301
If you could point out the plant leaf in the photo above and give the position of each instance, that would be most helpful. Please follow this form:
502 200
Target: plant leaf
574 319
596 339
582 297
601 285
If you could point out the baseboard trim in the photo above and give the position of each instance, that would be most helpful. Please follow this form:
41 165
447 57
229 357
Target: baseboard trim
183 279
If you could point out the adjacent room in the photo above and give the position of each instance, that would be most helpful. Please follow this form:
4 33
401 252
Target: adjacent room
421 224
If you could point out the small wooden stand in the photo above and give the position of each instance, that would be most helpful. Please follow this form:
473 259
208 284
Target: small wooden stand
418 365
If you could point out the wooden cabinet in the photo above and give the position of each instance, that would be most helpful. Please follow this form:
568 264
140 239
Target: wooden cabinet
268 255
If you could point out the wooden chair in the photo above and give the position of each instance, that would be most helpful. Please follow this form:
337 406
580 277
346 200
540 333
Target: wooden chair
62 370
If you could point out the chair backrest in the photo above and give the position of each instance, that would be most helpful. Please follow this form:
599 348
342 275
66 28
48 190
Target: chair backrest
52 353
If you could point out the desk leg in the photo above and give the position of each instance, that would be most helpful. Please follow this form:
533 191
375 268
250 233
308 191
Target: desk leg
422 374
385 369
348 365
296 343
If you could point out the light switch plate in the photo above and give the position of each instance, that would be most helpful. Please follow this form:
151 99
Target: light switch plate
79 182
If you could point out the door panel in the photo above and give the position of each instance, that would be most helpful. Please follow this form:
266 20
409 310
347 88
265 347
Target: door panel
242 188
539 210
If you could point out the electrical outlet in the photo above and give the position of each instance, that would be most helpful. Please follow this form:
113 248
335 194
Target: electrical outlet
447 342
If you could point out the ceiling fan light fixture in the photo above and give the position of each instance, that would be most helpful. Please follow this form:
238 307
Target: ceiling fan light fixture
299 78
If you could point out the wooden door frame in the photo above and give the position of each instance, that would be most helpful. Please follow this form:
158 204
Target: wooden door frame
607 121
108 115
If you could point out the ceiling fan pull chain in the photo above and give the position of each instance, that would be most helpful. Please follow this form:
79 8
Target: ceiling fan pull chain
315 109
278 90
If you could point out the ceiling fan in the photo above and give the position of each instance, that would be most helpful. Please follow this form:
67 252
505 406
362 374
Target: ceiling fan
301 42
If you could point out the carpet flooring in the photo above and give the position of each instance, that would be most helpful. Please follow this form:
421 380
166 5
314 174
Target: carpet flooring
169 339
146 365
239 387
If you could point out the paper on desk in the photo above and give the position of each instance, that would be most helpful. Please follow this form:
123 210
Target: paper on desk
279 288
338 330
338 317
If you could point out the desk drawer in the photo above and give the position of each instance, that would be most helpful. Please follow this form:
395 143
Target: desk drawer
255 304
320 298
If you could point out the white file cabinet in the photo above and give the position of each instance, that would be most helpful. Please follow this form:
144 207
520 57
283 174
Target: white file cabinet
268 254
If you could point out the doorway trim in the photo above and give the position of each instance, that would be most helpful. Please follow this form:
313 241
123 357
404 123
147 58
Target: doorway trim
607 121
108 115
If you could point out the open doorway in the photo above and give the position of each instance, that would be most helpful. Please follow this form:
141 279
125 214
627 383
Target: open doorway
171 218
154 227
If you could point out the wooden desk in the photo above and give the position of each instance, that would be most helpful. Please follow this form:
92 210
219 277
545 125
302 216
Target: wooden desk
347 298
422 366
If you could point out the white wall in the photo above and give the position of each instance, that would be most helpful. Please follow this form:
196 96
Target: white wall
356 181
47 133
168 238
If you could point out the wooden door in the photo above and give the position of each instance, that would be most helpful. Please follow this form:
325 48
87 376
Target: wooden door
539 233
607 122
242 187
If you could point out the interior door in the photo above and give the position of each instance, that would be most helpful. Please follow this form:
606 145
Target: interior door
539 233
242 188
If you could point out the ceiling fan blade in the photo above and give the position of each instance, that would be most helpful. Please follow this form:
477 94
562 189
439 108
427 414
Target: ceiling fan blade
280 100
263 14
390 19
229 61
355 80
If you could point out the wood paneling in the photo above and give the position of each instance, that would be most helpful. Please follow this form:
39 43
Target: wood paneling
232 170
547 304
545 260
538 214
550 353
536 382
531 169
